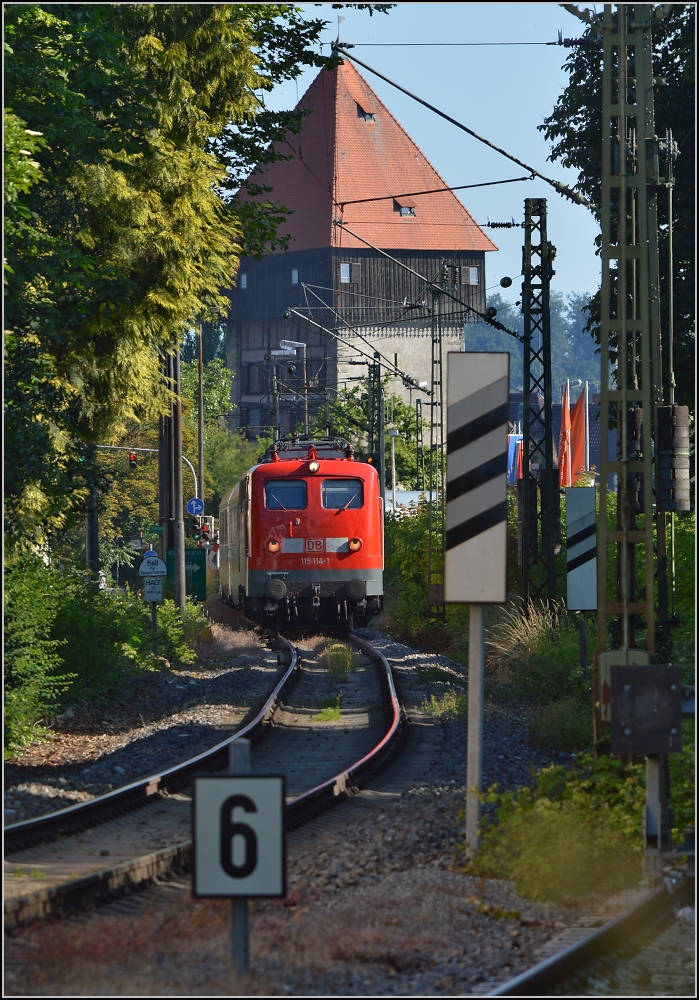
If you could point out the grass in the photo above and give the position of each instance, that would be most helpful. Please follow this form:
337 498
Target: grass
450 705
330 710
438 674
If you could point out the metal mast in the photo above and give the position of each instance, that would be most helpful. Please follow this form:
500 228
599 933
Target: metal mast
540 496
437 466
629 326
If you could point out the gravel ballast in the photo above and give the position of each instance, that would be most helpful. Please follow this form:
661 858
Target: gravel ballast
378 903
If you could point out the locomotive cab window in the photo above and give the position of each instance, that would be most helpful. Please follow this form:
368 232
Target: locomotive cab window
285 494
342 494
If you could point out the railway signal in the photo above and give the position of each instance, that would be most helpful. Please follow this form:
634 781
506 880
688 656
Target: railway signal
133 462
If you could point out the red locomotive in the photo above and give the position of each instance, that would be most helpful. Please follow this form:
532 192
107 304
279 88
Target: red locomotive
301 538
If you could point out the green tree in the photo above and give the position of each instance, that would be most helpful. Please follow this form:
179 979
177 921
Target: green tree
129 238
217 381
575 131
573 350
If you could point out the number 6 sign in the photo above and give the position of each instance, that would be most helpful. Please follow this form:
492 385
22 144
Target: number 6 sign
239 845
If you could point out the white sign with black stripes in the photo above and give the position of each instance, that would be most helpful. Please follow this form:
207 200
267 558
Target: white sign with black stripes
475 555
581 547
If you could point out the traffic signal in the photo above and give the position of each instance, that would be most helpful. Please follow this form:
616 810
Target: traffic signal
196 528
205 532
132 460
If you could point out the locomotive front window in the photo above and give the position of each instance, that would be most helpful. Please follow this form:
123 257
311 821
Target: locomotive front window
285 494
342 494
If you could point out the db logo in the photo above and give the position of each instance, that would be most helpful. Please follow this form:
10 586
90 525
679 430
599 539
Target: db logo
315 544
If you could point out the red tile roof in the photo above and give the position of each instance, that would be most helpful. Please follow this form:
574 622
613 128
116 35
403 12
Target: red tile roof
341 157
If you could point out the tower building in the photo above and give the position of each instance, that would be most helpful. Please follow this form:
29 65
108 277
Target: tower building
356 184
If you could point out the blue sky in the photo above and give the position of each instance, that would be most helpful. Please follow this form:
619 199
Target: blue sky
500 91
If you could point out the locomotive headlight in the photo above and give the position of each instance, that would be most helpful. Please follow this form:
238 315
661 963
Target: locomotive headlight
313 466
274 545
354 544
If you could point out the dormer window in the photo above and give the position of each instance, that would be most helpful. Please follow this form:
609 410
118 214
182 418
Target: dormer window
243 281
403 209
368 116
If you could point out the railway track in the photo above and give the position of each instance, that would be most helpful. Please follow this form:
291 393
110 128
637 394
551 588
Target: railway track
613 959
56 862
564 971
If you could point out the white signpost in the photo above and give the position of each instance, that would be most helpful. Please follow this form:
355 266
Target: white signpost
153 588
152 565
476 530
153 569
239 842
581 557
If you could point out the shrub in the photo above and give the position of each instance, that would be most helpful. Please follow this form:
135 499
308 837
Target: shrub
35 679
66 639
536 654
339 659
576 832
562 725
175 638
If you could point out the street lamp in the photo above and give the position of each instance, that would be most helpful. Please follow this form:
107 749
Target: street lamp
291 344
393 434
277 357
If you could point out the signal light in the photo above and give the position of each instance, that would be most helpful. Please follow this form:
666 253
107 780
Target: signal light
205 536
354 544
196 527
133 464
273 545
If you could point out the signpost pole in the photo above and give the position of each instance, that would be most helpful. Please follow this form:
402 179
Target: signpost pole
239 763
154 625
474 751
179 570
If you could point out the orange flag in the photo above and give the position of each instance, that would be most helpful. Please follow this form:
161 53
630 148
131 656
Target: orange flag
564 477
577 439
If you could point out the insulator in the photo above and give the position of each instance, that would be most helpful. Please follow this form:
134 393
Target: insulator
672 443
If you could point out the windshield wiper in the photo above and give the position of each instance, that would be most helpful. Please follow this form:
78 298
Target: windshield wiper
278 501
345 506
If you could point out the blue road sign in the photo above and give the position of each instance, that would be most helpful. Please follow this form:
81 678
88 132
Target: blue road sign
195 506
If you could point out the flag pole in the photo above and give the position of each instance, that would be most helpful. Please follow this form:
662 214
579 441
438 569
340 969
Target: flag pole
587 427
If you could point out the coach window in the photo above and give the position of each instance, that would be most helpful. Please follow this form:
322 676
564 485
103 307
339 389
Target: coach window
285 494
342 494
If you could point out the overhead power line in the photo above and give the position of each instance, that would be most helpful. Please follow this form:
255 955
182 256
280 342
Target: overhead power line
433 284
562 189
414 194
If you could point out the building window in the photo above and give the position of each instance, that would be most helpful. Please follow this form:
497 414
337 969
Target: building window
253 378
403 209
243 281
368 116
469 275
350 272
294 276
